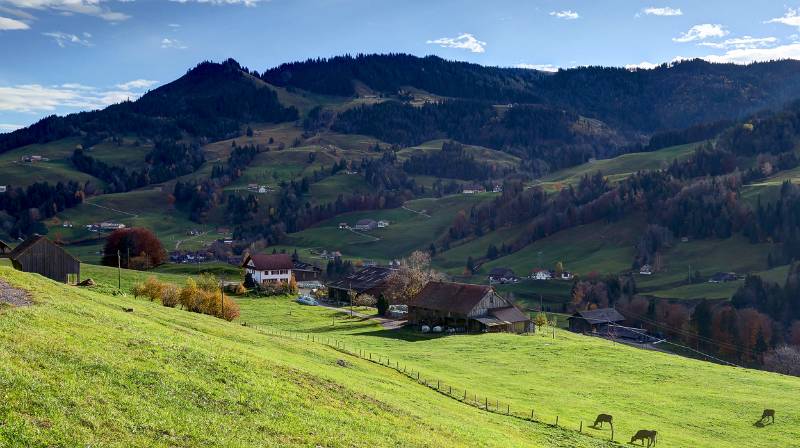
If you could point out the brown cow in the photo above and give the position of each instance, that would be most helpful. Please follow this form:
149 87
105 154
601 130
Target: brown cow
645 434
603 418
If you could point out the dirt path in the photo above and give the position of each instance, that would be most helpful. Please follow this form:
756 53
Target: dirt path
14 296
389 324
373 238
113 209
415 211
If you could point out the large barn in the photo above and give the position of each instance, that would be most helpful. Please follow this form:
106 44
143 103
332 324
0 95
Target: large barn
466 307
41 256
370 280
594 321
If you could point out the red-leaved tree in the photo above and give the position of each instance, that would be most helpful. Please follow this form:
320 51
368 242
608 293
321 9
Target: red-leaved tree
138 248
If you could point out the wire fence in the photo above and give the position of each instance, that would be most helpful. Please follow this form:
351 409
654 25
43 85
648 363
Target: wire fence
469 397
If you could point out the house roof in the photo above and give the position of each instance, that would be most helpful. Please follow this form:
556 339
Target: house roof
3 245
454 297
301 266
509 314
32 241
599 316
363 222
363 280
498 272
267 262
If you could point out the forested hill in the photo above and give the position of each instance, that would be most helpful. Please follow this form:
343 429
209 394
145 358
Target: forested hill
212 100
668 97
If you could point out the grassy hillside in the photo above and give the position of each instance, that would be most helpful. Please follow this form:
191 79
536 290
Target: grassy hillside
691 403
76 370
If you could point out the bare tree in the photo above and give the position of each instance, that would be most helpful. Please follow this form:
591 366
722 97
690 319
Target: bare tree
784 359
414 273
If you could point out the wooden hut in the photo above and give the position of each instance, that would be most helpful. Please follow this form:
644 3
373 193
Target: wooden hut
5 249
594 321
467 307
39 255
371 280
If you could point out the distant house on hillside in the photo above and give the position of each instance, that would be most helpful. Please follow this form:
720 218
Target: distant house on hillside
473 189
3 188
502 275
106 225
497 188
39 255
268 268
646 270
366 224
594 321
371 280
541 274
472 308
383 224
722 277
566 275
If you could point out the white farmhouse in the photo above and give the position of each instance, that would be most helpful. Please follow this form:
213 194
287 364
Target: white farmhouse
268 268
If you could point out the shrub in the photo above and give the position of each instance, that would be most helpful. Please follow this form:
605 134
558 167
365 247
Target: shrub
382 304
153 289
231 310
240 289
138 290
365 300
540 320
189 297
170 296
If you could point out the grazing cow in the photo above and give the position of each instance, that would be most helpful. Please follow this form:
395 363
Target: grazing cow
768 414
603 418
645 434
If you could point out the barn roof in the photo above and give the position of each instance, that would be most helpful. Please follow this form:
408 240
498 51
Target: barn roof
267 262
599 316
447 296
3 245
32 241
509 314
363 280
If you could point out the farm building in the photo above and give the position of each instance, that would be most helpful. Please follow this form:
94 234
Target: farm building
39 255
541 274
473 189
646 270
370 280
304 272
467 307
267 268
502 275
722 277
594 321
5 249
366 224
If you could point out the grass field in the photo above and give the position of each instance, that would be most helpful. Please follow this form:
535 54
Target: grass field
76 370
57 169
480 153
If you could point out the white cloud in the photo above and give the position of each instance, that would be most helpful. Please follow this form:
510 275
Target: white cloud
174 25
702 32
87 7
465 41
566 14
35 97
644 65
172 43
748 55
221 2
137 84
744 42
791 18
64 39
540 67
8 127
7 24
662 11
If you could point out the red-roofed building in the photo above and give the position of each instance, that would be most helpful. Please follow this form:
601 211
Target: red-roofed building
467 307
266 268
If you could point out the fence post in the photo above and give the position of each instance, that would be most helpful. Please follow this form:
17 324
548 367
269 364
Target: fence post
465 394
556 420
581 430
437 384
486 404
532 418
508 409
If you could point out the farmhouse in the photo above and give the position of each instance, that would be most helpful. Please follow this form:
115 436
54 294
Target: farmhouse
270 268
594 321
371 280
39 255
3 188
722 277
304 272
566 275
366 224
471 308
646 270
473 189
541 274
502 275
106 225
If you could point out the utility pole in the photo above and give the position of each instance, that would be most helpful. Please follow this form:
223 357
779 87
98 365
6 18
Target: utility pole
222 298
119 271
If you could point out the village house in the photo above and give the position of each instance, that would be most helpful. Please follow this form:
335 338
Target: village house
497 188
646 270
541 274
566 275
467 307
107 225
366 224
594 321
268 268
370 280
34 158
3 188
383 224
473 189
344 226
722 277
39 255
502 275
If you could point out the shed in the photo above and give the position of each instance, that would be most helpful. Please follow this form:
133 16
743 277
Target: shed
370 280
467 307
304 272
39 255
594 321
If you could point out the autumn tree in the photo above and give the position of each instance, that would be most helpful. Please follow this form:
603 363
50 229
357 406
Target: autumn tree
414 273
138 248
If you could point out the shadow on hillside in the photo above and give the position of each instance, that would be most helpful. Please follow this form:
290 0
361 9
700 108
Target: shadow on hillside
402 334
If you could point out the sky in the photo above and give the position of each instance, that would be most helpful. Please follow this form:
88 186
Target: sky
63 56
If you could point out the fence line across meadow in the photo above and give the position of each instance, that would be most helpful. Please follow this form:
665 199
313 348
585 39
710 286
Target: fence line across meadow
463 395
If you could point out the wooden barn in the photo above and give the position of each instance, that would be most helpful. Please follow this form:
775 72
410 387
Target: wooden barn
304 272
466 307
370 280
39 255
5 249
594 321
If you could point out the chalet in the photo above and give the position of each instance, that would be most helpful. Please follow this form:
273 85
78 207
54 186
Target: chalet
566 275
106 225
268 268
541 274
41 256
344 225
646 270
497 189
366 224
5 249
594 321
3 188
473 189
383 224
473 308
502 275
370 280
304 272
722 277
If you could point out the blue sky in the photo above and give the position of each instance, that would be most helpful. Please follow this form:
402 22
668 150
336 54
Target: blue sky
61 56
